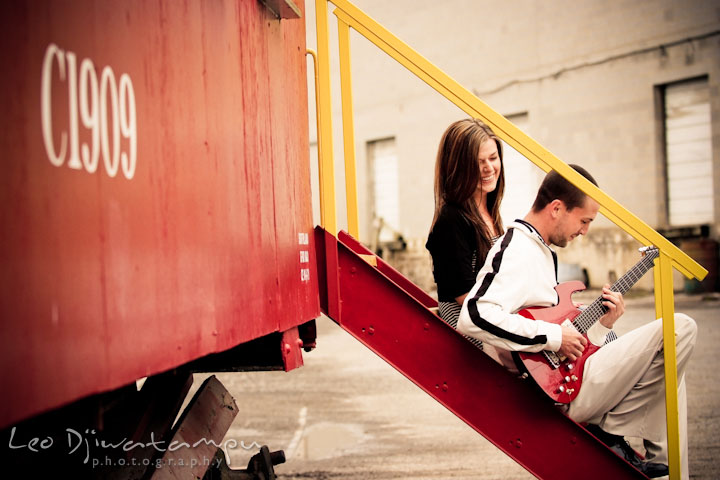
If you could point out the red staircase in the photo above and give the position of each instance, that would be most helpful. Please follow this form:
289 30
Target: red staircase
392 317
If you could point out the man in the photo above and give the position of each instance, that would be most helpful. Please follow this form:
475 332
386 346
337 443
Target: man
623 389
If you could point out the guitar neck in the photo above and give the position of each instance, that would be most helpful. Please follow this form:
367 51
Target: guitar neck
596 309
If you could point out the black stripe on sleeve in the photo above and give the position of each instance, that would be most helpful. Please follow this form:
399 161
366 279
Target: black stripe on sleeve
487 281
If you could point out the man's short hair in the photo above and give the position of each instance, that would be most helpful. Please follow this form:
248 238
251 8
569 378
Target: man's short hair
556 187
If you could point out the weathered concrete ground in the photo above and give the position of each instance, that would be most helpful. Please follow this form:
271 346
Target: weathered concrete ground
349 415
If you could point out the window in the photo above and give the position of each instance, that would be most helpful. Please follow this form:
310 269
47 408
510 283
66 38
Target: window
384 188
688 153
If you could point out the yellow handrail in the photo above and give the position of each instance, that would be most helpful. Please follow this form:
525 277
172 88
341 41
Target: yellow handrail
348 129
665 308
349 16
543 158
328 217
313 54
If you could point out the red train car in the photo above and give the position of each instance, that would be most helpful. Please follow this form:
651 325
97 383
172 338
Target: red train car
155 193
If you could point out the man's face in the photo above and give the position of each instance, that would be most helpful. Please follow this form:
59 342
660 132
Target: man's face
574 222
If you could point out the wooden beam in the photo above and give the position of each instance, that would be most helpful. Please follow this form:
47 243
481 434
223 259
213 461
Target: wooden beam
283 8
198 433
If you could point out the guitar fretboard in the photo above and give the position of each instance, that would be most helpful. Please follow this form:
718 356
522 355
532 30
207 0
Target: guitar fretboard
596 309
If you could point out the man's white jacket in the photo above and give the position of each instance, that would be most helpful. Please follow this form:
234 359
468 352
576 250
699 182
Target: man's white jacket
520 271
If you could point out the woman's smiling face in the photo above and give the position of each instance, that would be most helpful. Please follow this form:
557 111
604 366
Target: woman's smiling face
489 166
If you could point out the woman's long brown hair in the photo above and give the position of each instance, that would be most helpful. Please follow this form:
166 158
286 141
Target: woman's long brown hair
457 174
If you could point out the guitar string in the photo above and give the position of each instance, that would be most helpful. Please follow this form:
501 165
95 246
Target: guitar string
596 309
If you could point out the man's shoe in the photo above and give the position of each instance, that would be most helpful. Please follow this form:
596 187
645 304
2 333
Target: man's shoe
654 470
617 444
622 448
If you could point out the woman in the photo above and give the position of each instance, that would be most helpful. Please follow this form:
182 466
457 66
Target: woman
469 186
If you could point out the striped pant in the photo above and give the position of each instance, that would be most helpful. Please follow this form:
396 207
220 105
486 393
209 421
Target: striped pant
450 312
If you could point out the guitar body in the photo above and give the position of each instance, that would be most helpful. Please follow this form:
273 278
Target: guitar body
560 379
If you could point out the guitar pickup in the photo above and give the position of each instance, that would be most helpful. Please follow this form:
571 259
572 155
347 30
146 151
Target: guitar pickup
553 358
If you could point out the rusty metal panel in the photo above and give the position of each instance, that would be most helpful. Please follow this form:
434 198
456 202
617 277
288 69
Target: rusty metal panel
155 190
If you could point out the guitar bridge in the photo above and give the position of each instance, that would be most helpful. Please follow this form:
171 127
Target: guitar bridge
552 358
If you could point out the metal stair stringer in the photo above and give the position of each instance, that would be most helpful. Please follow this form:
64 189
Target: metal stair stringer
510 412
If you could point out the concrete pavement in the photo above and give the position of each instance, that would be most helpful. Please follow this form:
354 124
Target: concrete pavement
347 414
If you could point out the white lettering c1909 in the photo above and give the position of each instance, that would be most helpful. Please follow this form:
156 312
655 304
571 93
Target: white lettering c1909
105 108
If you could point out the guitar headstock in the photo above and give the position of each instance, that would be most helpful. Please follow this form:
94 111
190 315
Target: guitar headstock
650 251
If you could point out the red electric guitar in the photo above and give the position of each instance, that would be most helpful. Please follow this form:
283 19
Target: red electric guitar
559 377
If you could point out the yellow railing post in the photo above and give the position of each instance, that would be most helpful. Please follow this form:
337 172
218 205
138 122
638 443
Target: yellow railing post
348 128
666 304
313 55
326 173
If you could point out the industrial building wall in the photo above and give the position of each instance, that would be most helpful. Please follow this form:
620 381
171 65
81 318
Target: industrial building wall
588 80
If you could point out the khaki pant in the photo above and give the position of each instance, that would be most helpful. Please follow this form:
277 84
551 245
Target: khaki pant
623 389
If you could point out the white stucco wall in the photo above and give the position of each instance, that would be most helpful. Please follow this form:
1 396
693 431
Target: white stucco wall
584 72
